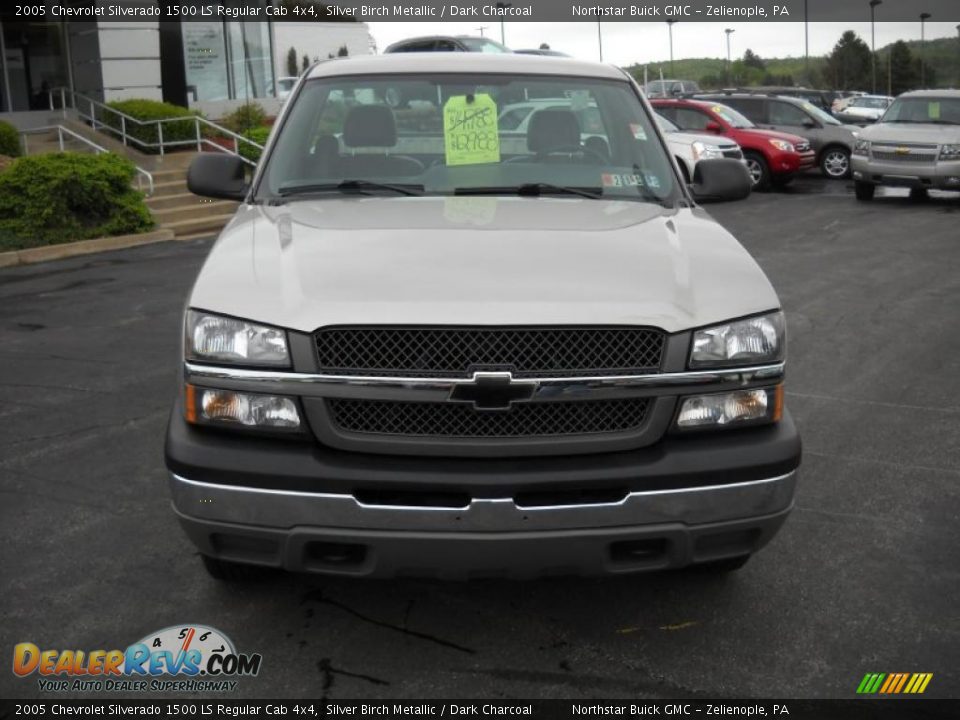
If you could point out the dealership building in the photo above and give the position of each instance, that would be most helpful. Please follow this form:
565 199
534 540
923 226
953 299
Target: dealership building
210 65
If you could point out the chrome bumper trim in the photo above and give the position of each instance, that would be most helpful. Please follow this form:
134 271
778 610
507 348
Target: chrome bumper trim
439 389
265 507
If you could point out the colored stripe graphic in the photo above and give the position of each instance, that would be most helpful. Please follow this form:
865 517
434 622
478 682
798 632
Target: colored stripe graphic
894 683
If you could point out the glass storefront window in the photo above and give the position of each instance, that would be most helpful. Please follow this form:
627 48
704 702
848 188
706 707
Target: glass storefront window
227 60
251 65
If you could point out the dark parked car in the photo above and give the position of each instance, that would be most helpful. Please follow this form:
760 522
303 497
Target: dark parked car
670 88
830 139
447 43
823 99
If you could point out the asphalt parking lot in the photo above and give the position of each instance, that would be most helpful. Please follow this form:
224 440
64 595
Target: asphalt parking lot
863 578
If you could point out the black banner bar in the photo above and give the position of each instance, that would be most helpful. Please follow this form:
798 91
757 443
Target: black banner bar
473 10
872 709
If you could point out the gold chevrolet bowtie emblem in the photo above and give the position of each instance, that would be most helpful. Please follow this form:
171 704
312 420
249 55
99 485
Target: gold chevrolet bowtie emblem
902 151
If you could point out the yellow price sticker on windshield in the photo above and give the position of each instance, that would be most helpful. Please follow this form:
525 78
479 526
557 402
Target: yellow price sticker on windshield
933 110
470 132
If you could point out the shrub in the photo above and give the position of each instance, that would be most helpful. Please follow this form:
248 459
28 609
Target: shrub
51 199
245 117
258 135
9 140
152 110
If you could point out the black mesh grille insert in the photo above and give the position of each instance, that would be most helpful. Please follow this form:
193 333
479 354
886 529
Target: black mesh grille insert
456 420
457 352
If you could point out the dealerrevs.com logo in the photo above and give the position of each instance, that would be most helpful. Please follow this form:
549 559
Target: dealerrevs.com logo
179 658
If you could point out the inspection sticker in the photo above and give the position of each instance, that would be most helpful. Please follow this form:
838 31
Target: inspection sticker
638 132
618 180
470 131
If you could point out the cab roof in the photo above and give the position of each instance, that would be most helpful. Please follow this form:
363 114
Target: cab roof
449 62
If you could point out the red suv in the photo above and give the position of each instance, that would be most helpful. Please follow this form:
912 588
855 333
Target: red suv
772 157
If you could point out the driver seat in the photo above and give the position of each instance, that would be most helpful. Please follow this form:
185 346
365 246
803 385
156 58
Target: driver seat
553 130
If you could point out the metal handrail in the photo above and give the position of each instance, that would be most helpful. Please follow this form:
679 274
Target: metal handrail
161 144
97 148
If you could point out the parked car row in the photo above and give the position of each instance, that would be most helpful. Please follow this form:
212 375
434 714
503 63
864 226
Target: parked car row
773 158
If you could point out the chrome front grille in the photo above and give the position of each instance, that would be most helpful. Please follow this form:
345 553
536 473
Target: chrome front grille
460 351
802 147
459 421
906 153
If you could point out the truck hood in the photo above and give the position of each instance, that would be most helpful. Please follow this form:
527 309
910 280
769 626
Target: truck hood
925 133
479 261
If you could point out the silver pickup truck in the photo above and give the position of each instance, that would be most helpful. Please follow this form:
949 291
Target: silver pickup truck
422 348
916 144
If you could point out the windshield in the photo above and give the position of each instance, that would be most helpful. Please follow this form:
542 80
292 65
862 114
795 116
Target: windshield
870 102
448 134
731 116
483 45
824 117
936 110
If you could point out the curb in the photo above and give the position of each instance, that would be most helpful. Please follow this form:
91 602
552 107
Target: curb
82 247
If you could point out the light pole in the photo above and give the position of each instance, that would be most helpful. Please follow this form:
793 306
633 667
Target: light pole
806 44
600 41
729 32
503 6
873 45
923 38
481 29
670 31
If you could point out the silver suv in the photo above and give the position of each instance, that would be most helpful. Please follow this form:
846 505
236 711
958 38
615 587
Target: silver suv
915 144
426 347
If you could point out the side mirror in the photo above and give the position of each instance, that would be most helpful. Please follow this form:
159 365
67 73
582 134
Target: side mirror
218 175
713 127
810 124
720 180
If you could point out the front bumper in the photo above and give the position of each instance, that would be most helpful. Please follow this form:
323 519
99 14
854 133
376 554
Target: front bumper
943 175
790 163
307 508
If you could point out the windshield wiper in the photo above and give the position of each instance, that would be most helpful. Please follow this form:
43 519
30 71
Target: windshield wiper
532 190
348 186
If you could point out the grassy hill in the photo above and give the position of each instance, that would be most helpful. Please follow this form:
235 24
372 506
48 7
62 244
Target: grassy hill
941 55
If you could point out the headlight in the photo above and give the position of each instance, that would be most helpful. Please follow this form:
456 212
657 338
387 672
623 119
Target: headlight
703 151
740 407
950 152
861 147
204 406
782 145
752 341
214 338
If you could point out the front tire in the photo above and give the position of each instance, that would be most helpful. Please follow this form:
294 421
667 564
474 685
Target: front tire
919 194
864 191
758 169
835 162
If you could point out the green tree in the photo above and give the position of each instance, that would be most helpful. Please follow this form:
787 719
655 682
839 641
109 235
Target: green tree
343 52
751 59
848 66
292 61
306 63
903 71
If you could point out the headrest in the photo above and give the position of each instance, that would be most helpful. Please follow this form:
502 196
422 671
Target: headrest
369 126
553 128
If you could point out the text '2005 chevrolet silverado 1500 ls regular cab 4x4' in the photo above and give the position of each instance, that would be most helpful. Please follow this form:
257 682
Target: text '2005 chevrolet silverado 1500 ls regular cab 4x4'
426 347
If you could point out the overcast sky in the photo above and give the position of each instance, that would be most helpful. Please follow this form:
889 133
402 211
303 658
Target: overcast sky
626 43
